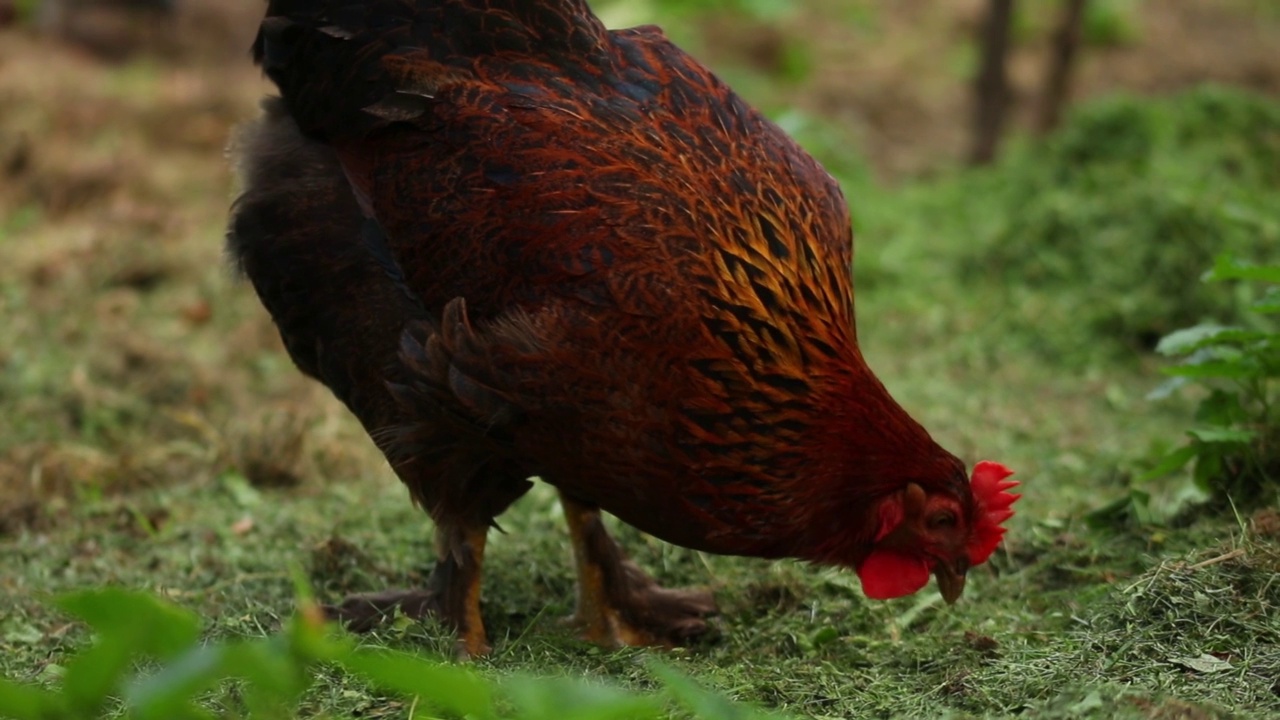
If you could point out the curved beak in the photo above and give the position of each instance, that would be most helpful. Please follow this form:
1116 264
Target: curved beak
951 579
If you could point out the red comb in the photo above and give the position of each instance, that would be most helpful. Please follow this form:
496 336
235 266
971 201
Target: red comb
994 507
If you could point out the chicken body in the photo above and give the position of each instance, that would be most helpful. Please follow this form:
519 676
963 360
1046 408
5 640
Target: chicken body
516 244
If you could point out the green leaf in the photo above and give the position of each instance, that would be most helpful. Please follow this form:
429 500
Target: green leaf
566 699
1208 467
94 675
158 627
310 637
280 669
701 702
1171 463
1268 304
277 675
167 694
1214 342
445 687
1220 409
1092 701
1227 268
1183 341
1133 507
1236 336
1140 506
1223 435
824 636
1219 369
27 702
128 624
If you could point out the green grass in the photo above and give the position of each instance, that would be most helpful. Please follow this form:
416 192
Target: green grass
1072 614
156 437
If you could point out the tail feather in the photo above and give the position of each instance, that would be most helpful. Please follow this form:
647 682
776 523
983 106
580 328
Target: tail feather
336 296
341 64
341 304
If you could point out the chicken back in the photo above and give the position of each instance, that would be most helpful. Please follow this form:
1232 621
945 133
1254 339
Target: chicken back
516 244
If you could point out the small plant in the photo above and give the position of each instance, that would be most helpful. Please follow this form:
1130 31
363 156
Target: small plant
1235 445
132 628
271 674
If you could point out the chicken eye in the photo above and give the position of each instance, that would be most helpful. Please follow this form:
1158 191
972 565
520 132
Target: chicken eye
942 521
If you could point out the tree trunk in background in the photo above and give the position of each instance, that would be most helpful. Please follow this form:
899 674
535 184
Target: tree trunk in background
1057 87
992 87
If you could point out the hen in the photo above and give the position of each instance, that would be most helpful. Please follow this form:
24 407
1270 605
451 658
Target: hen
516 244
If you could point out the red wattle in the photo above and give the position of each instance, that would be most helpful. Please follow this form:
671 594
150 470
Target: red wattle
887 574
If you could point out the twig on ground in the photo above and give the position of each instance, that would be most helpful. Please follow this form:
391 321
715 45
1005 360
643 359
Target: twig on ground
1238 552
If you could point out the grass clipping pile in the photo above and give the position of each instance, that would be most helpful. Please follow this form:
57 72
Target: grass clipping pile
1214 619
1202 629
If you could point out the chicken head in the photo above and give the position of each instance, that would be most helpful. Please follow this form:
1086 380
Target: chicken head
923 533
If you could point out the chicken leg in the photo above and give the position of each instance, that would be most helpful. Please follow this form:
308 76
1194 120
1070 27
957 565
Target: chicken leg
618 604
451 595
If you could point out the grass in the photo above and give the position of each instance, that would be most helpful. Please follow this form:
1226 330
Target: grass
156 437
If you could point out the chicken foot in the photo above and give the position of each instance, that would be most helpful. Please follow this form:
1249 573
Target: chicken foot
451 595
620 605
